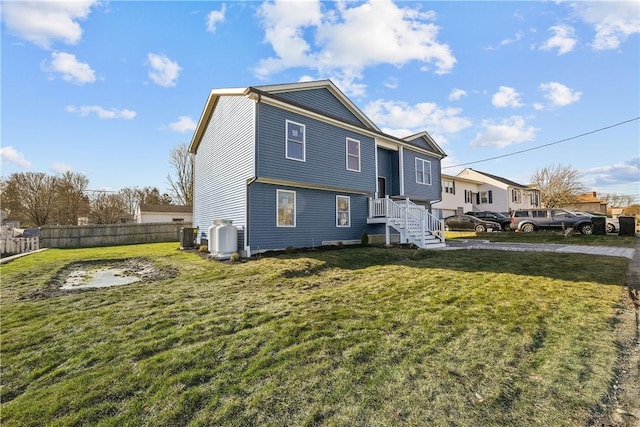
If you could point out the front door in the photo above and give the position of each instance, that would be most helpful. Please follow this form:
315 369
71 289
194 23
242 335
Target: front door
382 187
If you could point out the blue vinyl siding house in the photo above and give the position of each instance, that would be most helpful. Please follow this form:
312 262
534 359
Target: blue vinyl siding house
299 165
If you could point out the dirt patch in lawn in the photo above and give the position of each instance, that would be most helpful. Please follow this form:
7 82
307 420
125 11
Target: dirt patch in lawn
85 275
621 407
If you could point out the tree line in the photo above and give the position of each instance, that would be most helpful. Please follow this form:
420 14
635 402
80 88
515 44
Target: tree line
37 199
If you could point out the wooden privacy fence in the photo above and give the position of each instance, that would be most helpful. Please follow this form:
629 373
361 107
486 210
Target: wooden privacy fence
18 245
86 236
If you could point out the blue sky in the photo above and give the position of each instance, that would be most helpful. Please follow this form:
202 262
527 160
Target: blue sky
108 88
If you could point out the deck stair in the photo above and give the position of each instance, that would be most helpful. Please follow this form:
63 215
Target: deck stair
413 222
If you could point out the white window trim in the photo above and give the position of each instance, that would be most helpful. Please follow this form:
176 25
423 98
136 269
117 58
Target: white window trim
304 141
486 197
348 155
515 196
348 212
449 187
422 162
278 208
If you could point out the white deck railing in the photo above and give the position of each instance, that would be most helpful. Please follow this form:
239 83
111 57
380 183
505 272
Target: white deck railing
414 218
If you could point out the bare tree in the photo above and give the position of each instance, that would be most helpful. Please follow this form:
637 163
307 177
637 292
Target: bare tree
10 199
30 195
72 201
559 185
108 208
181 162
617 200
152 196
130 196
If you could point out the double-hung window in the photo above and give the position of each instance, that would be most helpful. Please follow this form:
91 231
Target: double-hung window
286 215
423 171
343 211
353 155
485 197
449 187
515 195
295 147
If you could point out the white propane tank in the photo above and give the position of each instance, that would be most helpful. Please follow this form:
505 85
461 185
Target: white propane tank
213 239
226 236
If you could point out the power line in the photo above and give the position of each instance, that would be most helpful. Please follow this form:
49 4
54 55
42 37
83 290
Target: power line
544 145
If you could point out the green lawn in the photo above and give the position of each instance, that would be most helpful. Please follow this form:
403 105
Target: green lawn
556 237
355 336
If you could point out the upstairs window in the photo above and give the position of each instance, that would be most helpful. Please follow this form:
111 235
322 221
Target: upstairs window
515 196
449 187
533 199
343 211
423 171
295 147
353 155
286 215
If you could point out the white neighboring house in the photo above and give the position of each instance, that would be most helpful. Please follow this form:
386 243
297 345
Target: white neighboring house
473 190
164 213
458 196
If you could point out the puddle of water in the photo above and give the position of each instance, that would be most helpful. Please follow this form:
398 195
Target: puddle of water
101 278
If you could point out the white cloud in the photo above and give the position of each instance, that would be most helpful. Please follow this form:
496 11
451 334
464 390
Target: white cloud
391 83
622 172
509 131
517 37
401 119
10 155
563 39
59 167
214 17
506 97
43 22
184 124
164 72
456 94
70 68
349 39
558 94
102 113
613 22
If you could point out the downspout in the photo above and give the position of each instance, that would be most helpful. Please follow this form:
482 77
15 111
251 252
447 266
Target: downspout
401 169
375 156
254 178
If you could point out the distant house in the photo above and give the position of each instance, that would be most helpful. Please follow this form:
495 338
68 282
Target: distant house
6 221
163 213
458 195
299 165
588 203
473 190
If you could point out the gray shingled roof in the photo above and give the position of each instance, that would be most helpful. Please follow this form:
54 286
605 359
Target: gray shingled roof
501 179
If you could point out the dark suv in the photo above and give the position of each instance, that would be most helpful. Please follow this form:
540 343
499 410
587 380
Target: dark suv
498 217
528 220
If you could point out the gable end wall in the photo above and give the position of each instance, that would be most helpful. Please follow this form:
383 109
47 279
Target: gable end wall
324 101
223 164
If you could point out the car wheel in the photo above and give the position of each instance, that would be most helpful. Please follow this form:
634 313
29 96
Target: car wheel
480 228
528 228
611 228
586 229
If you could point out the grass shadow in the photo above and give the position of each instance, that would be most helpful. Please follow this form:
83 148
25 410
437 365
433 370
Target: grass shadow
605 270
